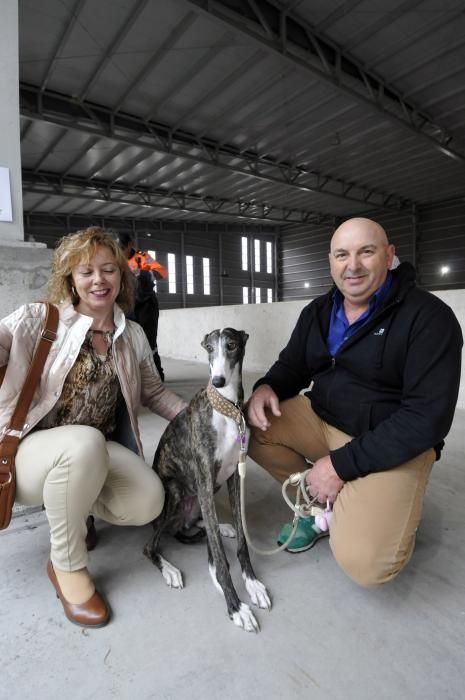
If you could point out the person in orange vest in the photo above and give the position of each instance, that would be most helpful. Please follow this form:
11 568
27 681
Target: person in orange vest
146 309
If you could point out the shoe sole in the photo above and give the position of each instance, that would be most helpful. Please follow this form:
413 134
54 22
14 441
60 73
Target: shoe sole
297 550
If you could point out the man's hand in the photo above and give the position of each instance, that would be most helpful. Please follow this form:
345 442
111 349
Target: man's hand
323 481
262 398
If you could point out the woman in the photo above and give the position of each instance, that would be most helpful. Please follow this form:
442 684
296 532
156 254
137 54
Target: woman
80 451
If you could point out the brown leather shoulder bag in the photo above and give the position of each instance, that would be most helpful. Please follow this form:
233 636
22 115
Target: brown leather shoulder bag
10 439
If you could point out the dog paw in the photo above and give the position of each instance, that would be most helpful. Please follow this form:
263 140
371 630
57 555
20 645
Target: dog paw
245 618
257 592
172 575
227 530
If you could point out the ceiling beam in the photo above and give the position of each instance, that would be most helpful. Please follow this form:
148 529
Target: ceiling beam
300 44
97 120
74 187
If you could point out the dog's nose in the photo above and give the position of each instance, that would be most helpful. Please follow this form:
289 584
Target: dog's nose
218 381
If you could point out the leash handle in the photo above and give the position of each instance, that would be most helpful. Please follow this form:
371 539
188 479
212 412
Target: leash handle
304 510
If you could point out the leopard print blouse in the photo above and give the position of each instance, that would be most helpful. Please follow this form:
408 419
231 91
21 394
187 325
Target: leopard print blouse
90 393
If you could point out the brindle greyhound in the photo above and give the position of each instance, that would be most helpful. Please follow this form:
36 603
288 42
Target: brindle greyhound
197 453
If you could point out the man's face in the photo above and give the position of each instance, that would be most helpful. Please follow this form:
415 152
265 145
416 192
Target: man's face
359 259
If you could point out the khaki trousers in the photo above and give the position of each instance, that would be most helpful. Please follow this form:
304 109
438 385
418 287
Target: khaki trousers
73 471
375 518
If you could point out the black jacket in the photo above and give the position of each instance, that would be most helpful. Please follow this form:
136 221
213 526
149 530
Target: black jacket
146 309
393 385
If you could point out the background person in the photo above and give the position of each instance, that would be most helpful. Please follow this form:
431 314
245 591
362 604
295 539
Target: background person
146 309
81 451
381 359
146 313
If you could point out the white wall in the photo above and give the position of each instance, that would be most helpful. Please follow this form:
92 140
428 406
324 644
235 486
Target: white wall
9 116
269 326
456 300
180 331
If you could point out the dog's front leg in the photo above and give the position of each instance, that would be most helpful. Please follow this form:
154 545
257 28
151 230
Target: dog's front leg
239 612
170 573
255 588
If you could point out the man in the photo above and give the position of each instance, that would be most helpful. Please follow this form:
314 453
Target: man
146 309
382 360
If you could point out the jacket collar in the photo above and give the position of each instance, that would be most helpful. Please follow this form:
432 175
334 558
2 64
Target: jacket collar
69 315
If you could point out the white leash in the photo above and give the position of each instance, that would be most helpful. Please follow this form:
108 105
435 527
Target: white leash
301 510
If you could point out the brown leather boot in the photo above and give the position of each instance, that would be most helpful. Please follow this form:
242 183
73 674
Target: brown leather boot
91 537
93 613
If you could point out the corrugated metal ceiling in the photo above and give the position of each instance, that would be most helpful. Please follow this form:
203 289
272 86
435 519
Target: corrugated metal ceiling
251 110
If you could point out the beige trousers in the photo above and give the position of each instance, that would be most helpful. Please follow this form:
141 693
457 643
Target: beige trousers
73 471
375 518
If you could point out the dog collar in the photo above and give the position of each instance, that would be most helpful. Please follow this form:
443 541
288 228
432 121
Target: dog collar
233 410
225 406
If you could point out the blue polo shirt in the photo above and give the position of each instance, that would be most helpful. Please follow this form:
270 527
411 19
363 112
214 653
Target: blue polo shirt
339 327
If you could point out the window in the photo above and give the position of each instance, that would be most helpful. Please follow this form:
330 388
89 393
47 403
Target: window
258 295
171 273
269 296
190 274
269 257
257 254
206 275
245 295
245 257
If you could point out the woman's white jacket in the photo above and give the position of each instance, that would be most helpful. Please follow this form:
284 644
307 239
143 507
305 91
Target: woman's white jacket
138 377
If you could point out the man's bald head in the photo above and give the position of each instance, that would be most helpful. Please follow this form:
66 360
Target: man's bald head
359 226
359 258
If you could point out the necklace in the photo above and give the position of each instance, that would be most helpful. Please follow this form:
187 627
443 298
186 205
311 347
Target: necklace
107 336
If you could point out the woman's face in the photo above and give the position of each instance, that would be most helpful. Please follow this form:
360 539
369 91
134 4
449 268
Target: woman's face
97 283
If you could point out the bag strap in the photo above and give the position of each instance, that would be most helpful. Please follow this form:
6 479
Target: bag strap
9 441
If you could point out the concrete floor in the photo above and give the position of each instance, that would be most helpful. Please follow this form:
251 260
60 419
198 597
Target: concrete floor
324 639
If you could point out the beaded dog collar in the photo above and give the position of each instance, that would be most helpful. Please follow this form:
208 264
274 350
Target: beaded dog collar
224 406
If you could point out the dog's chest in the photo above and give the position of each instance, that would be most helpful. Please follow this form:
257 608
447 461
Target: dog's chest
227 446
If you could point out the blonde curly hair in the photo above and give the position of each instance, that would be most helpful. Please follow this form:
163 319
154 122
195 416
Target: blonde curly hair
80 247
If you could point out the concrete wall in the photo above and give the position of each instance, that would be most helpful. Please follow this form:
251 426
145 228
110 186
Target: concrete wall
9 116
24 273
180 331
455 298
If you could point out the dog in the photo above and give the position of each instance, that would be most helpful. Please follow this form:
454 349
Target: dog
197 453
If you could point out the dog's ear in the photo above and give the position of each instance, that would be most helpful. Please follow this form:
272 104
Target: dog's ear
244 336
204 341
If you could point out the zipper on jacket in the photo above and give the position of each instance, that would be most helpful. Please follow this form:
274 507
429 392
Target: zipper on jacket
367 327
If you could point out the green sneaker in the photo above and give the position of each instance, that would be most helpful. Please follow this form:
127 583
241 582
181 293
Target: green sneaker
306 535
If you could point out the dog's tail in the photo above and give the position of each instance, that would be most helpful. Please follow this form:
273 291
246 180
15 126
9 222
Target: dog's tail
199 534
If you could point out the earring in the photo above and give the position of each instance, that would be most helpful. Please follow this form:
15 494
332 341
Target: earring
73 291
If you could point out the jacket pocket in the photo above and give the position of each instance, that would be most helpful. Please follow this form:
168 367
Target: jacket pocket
364 413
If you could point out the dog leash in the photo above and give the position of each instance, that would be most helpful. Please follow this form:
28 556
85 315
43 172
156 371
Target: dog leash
305 509
309 508
301 510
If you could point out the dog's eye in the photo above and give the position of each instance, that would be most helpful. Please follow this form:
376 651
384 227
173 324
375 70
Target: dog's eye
209 348
231 346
